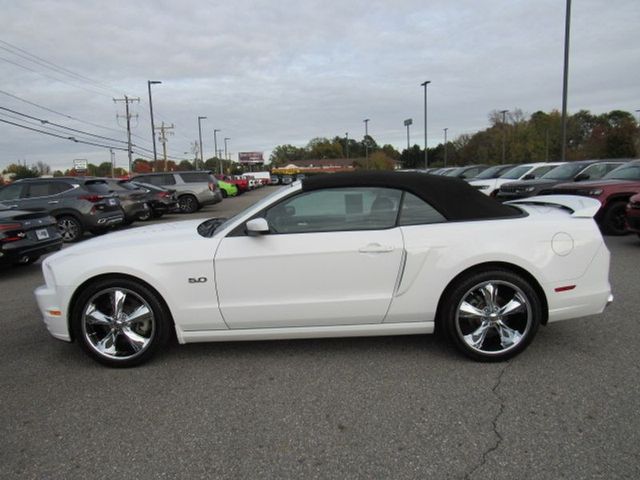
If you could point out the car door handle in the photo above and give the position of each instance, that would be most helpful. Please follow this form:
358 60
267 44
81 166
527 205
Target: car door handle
53 202
376 248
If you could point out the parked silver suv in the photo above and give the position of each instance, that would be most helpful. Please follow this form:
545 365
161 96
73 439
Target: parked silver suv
194 189
77 203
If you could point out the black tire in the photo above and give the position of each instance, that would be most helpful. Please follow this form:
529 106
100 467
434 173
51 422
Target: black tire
70 228
145 216
479 317
613 220
120 342
188 204
157 214
224 193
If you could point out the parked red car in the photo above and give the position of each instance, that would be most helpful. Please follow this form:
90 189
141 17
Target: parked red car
240 182
613 191
633 214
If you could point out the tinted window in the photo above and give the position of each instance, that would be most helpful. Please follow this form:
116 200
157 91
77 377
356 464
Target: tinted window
158 180
194 177
515 173
627 172
11 192
338 209
564 172
98 187
597 171
491 172
40 189
416 211
540 171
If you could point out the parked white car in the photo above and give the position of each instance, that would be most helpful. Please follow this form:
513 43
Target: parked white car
526 171
336 256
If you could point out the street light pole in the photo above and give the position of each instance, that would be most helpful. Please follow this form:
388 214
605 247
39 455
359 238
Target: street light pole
407 123
426 154
346 143
153 130
366 142
225 147
215 147
445 146
565 80
504 134
200 135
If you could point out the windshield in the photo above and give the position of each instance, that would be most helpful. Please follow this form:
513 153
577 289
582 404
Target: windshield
490 172
516 172
215 225
455 172
628 172
563 172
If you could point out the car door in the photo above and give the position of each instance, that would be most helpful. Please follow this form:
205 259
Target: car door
331 257
11 195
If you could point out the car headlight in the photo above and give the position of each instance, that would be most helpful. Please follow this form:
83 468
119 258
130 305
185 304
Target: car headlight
595 192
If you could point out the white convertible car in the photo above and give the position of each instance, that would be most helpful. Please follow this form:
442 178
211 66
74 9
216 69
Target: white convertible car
336 256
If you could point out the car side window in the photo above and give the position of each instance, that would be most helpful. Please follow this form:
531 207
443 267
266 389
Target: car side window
596 171
540 171
195 177
38 189
416 211
336 209
11 192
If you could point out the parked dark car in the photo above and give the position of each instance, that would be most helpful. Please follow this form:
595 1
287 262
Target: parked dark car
492 172
194 189
467 172
578 171
134 200
162 200
613 191
78 204
26 236
633 214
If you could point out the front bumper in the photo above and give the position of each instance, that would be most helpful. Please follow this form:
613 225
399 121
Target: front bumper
53 315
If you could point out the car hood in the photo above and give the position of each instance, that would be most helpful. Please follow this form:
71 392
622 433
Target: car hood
148 237
532 183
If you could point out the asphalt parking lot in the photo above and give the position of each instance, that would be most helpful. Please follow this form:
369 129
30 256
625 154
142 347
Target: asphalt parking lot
387 407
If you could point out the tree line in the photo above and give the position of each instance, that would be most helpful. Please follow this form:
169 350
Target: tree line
523 139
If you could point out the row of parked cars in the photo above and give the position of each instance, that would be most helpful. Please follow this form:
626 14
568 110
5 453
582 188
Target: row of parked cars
37 215
613 182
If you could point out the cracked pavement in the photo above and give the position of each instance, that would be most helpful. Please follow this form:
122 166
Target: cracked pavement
389 407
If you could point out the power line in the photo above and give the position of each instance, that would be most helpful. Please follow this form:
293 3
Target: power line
47 122
52 66
70 117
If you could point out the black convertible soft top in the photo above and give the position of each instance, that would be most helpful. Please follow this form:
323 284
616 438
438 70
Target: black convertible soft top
452 197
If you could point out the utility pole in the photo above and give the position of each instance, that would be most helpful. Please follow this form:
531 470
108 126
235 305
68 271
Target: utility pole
225 148
565 80
445 146
164 129
113 161
504 133
128 116
426 153
215 148
346 136
200 136
366 142
153 128
407 123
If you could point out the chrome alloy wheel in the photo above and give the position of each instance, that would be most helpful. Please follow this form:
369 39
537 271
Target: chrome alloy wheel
118 323
494 317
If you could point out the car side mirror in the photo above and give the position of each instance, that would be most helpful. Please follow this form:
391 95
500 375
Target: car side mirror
529 176
257 226
582 177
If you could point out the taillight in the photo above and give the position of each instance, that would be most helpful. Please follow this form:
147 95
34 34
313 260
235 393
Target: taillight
91 198
16 232
164 194
5 227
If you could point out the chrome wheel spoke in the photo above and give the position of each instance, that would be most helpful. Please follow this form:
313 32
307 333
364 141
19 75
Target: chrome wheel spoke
140 314
96 317
137 342
515 305
508 336
490 293
476 338
117 301
467 310
107 345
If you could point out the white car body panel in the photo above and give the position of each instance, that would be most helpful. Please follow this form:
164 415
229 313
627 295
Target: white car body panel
492 184
302 285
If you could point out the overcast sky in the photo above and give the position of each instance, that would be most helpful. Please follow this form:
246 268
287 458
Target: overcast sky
273 72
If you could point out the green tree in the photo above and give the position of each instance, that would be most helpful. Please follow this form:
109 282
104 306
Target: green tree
17 171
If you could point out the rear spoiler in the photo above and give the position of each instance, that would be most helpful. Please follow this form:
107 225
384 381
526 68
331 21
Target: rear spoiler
581 207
